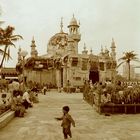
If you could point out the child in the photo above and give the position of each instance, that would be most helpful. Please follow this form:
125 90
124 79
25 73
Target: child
66 122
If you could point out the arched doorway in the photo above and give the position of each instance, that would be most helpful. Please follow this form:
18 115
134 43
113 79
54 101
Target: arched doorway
94 76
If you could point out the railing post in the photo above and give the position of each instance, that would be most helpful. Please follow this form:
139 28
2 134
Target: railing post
99 101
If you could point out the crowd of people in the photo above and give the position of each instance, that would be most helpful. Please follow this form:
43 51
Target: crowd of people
119 93
20 99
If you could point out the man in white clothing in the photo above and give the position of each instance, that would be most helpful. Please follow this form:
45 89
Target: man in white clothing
26 99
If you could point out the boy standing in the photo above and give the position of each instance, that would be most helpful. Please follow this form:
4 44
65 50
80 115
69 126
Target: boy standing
67 120
68 86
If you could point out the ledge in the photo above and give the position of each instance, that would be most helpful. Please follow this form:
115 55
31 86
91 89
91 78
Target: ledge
6 118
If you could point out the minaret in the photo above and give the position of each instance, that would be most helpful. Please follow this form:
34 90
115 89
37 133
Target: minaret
74 33
113 51
34 52
61 25
85 51
106 51
91 51
102 51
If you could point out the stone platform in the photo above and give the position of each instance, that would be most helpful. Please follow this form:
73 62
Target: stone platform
39 122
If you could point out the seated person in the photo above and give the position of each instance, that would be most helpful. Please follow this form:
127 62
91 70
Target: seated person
3 96
77 89
17 105
26 99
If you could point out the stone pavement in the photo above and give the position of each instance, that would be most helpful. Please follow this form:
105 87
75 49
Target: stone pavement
39 122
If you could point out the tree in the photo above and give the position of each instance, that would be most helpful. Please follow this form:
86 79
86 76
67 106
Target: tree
127 58
6 39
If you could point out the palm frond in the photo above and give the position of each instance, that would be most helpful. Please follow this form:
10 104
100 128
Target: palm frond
128 56
1 51
16 37
122 58
12 44
120 64
136 60
7 55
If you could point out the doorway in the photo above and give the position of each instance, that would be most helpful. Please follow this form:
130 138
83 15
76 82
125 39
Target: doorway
94 76
61 77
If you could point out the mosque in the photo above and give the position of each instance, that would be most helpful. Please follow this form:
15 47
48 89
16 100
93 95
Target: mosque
62 62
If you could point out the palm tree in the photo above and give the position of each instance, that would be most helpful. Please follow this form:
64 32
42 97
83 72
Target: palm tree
6 39
127 58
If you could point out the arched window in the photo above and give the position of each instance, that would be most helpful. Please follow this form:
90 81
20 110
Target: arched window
101 64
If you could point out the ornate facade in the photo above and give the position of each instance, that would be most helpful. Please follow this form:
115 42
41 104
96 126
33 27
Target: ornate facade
63 62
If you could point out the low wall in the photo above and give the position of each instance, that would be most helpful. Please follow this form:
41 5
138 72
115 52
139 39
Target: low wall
120 108
110 107
6 117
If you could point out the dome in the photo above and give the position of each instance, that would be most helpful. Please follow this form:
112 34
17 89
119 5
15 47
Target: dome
58 38
73 22
57 43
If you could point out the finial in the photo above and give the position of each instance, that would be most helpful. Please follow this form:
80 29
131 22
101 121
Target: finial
91 51
19 49
112 39
79 23
73 15
61 25
84 46
113 43
106 50
33 40
102 49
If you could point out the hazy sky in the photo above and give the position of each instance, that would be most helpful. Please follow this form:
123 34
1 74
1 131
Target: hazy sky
100 21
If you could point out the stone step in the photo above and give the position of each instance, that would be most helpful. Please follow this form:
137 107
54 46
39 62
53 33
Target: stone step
6 118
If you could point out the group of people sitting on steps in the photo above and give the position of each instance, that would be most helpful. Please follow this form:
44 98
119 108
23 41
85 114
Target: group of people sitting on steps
22 101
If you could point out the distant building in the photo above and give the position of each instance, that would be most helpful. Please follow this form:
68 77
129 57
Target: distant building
8 73
137 76
126 71
62 62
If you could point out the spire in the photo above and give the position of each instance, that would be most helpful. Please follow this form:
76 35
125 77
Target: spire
84 46
73 15
91 51
85 49
19 49
61 25
113 51
34 52
102 49
33 40
79 26
79 23
106 51
113 43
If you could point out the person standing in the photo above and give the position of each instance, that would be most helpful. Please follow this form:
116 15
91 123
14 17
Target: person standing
44 90
67 120
68 86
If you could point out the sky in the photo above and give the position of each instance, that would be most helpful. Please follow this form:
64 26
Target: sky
100 21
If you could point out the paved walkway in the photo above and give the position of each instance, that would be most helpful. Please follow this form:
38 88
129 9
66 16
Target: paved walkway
39 122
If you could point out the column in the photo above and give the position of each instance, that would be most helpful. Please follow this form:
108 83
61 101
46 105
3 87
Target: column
58 78
64 76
